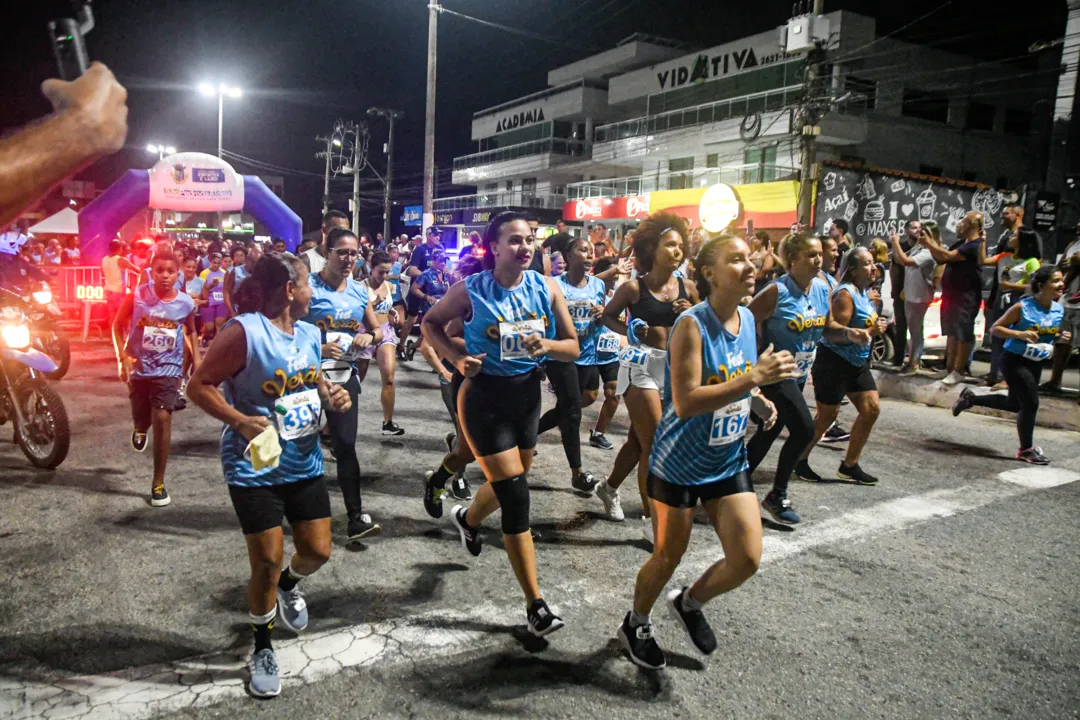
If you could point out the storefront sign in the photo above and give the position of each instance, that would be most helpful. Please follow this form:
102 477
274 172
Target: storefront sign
412 214
534 110
520 119
1046 211
478 217
718 208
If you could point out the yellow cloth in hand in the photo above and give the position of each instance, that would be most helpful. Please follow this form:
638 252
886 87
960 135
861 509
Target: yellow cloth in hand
265 450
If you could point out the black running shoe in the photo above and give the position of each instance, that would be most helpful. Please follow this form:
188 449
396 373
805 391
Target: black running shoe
835 433
159 496
470 538
459 488
1033 455
138 441
693 622
391 428
598 440
433 497
963 402
639 644
803 471
855 473
541 620
363 527
584 482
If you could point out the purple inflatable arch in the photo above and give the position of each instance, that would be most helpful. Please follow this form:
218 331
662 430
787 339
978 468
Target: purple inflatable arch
102 219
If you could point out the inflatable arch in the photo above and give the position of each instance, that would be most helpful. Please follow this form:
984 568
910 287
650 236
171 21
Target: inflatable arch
186 182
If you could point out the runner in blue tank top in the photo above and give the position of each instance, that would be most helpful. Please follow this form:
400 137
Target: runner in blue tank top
244 259
791 313
698 454
1030 328
162 324
585 296
842 366
514 319
268 362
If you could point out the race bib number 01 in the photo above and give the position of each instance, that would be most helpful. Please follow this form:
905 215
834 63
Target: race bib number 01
512 335
159 339
803 362
345 342
608 343
634 357
729 423
298 414
1038 351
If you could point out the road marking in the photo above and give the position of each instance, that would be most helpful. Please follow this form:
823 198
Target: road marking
210 679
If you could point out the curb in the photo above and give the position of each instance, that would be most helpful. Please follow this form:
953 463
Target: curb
1061 413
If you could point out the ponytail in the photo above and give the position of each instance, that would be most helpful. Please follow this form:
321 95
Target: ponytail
264 290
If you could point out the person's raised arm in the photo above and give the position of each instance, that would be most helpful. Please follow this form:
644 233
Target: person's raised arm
898 253
90 122
943 255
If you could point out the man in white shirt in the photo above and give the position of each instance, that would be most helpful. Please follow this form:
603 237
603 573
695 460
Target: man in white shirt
316 257
1070 265
918 289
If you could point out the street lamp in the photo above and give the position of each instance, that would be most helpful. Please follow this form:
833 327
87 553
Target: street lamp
161 150
390 115
221 91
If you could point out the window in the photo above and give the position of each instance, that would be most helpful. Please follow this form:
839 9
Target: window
925 105
677 180
934 170
980 116
528 186
864 92
1017 122
765 159
509 186
712 160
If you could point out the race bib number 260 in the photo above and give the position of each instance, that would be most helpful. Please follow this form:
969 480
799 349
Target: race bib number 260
159 339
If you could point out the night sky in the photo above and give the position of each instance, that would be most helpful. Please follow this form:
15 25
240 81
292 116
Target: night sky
304 63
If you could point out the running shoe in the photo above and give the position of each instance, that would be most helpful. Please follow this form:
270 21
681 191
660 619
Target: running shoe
597 440
908 370
1050 387
450 438
778 506
693 622
541 620
363 527
612 504
646 530
459 488
804 472
856 473
1033 455
433 496
965 401
470 538
952 378
391 428
159 496
264 680
835 433
640 645
584 482
292 608
138 441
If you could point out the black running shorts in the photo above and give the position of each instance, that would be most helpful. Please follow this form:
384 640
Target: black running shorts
834 377
688 496
500 412
263 508
148 394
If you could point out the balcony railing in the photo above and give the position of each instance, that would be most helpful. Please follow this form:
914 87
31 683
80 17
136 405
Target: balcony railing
498 199
700 114
557 146
745 174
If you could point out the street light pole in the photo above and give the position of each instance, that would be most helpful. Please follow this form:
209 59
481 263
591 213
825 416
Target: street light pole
220 121
429 121
391 116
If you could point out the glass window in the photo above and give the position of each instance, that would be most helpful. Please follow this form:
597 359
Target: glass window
679 179
866 90
712 160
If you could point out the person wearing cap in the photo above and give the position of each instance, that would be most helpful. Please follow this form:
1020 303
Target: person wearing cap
419 262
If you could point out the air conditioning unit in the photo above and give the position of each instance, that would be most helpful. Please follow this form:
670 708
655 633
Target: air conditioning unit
801 32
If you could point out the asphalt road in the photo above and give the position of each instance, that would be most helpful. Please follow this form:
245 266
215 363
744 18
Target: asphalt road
949 590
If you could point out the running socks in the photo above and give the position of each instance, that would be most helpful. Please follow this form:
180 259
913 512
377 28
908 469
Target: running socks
638 620
261 625
440 476
289 578
689 604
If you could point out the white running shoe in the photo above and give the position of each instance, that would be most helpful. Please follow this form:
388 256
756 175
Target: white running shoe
612 504
646 530
952 378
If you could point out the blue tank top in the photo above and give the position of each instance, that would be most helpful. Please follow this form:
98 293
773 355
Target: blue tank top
240 274
864 317
580 302
279 381
216 294
708 448
501 317
156 337
798 321
194 286
432 284
338 315
829 279
1047 323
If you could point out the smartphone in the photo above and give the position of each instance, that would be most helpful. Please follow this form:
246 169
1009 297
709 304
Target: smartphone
749 227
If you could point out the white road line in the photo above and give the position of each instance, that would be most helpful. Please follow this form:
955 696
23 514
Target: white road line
147 691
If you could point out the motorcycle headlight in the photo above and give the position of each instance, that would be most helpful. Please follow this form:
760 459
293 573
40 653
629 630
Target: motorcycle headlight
43 297
16 337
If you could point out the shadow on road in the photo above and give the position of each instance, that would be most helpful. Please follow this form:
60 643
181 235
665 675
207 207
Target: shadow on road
956 448
193 521
17 472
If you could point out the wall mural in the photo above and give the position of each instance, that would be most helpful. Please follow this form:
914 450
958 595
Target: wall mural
877 204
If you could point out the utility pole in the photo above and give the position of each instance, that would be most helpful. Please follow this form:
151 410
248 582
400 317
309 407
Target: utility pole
326 176
429 121
808 117
390 115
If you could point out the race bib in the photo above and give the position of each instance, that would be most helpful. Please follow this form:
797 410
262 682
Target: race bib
608 343
632 356
1038 351
298 414
159 339
512 334
729 423
345 342
803 362
217 296
581 314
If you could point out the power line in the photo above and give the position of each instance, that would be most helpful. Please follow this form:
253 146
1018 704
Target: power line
897 30
516 31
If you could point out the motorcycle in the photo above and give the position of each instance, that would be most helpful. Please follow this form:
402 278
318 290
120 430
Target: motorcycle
44 316
40 420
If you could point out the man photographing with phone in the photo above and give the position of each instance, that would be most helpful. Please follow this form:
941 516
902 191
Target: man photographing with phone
89 122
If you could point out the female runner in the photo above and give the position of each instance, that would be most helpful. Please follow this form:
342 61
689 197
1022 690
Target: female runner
1029 329
655 299
713 367
385 352
269 364
341 309
513 319
792 312
427 289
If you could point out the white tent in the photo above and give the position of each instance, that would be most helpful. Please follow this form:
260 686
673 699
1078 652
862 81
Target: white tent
65 222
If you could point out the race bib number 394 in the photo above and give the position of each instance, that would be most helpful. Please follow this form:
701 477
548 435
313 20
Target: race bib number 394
298 414
729 423
512 335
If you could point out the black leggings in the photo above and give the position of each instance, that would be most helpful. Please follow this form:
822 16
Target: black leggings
1023 398
342 428
567 411
793 414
